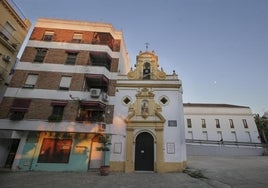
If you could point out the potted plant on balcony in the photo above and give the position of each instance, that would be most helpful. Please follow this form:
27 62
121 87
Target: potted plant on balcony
105 148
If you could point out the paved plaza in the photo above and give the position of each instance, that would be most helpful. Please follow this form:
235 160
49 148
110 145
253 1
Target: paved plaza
203 171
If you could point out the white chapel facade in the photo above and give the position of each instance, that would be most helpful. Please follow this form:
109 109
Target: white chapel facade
149 109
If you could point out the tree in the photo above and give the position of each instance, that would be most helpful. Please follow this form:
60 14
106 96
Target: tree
262 126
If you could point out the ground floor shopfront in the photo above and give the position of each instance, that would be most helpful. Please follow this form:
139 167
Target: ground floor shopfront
52 151
62 151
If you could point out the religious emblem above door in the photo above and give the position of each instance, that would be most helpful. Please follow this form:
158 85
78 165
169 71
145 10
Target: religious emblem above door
145 109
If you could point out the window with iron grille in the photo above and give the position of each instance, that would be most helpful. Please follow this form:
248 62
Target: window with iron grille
189 123
172 123
217 123
40 55
231 123
203 123
71 58
245 123
19 108
48 36
77 37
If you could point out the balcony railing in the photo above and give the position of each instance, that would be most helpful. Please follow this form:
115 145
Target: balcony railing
7 39
16 9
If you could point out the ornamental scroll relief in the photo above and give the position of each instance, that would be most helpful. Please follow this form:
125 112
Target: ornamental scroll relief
145 108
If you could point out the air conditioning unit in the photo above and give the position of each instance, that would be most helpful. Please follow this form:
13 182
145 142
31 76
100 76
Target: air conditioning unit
94 92
102 126
104 97
6 58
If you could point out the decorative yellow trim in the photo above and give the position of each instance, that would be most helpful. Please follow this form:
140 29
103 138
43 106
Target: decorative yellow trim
148 85
129 163
171 167
117 166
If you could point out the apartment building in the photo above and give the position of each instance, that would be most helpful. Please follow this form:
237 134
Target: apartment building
62 95
13 30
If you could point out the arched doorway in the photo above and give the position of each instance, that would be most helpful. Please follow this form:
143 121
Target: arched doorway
144 152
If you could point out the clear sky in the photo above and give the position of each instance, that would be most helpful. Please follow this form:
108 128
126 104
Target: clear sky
219 48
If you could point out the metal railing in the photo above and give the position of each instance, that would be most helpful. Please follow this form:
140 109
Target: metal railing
227 143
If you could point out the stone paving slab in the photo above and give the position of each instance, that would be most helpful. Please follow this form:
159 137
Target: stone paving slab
93 179
239 171
219 172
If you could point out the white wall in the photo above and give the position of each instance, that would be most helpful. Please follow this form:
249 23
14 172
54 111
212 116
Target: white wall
173 110
223 114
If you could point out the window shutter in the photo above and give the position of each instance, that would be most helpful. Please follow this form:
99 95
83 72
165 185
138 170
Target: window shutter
31 79
65 81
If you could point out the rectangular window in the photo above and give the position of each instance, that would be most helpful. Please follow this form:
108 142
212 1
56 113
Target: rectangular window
233 135
231 123
57 114
96 81
190 135
31 81
189 123
219 135
71 58
172 123
65 82
19 108
245 123
48 36
7 31
218 123
203 123
58 110
249 136
205 135
55 151
40 55
77 37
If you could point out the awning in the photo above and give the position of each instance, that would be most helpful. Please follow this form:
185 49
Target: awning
72 51
58 103
97 77
102 55
93 104
21 105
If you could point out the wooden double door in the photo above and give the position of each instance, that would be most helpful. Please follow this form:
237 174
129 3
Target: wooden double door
144 152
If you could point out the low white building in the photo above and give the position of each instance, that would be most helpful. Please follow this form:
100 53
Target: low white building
220 129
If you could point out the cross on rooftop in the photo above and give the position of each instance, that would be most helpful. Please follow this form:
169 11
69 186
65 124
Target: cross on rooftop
147 45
